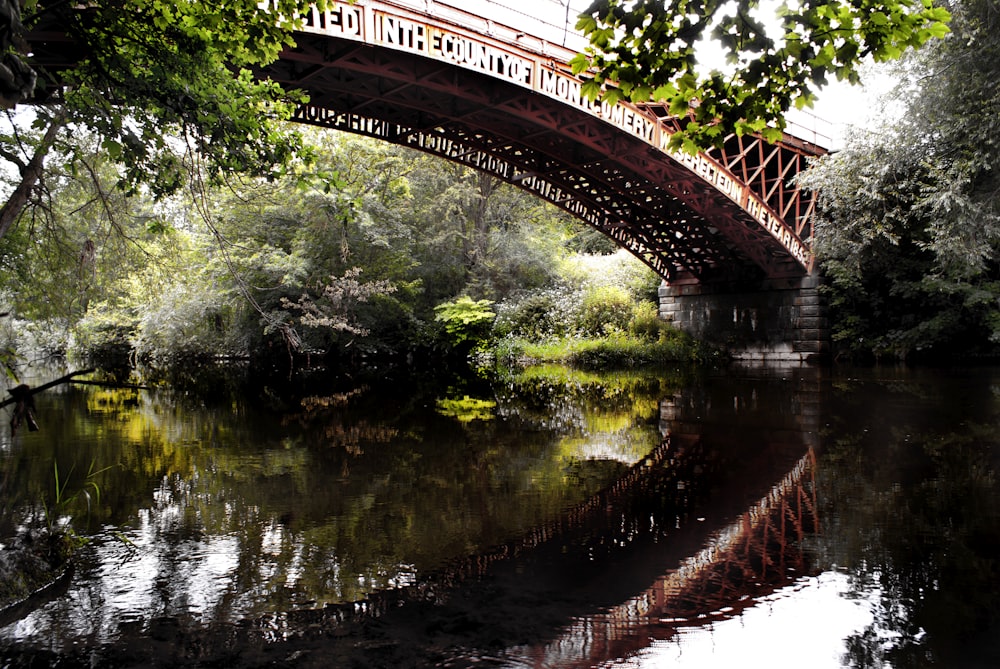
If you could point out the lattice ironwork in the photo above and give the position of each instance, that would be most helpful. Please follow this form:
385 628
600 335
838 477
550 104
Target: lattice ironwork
487 95
616 176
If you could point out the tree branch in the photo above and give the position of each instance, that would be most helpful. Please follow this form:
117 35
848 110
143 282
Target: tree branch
45 386
30 175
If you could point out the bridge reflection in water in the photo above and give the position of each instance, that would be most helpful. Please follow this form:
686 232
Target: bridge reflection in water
715 519
724 445
756 554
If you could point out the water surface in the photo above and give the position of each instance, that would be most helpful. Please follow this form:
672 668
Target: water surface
799 517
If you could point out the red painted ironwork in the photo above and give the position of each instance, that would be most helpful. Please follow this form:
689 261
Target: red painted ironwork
433 77
483 94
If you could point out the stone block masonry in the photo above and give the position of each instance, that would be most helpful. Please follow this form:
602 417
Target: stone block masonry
775 320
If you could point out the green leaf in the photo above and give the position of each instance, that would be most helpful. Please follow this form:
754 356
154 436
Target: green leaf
113 149
579 63
613 96
687 83
664 92
586 24
939 30
679 106
879 18
772 135
591 89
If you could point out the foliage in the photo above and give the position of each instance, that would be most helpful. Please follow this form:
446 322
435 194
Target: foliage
8 341
158 70
41 338
644 51
475 235
64 497
84 241
82 267
595 296
646 323
616 351
466 409
466 321
276 274
591 241
606 310
909 225
103 334
600 315
332 306
539 314
178 328
619 269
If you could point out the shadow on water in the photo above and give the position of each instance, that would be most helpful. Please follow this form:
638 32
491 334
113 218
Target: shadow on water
714 517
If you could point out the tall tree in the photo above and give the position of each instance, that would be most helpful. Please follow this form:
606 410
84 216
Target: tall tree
909 231
161 82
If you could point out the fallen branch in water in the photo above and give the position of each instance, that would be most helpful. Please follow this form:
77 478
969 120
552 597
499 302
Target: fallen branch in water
24 398
44 386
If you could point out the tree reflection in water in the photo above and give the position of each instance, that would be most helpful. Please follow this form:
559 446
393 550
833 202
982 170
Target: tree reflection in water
482 526
913 512
239 505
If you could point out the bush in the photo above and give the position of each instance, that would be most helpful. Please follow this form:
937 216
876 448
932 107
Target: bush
619 351
615 351
646 323
532 317
466 321
22 340
606 309
549 313
103 335
181 325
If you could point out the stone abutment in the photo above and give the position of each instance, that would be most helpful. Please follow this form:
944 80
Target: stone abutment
775 320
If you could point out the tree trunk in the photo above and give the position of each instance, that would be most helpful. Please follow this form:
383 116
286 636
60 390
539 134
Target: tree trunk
30 176
486 185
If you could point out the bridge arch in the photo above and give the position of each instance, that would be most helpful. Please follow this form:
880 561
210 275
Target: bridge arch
485 95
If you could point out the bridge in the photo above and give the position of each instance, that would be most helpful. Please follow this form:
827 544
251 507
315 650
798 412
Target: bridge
727 229
491 97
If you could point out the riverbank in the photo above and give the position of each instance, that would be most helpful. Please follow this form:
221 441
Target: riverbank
615 351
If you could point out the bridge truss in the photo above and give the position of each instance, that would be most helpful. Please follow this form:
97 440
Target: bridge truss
432 77
496 100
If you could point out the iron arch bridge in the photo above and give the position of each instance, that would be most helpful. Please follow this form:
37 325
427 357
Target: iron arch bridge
435 78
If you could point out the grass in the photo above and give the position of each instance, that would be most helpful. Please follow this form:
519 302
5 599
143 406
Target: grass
610 352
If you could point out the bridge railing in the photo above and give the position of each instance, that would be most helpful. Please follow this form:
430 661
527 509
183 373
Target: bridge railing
812 128
547 25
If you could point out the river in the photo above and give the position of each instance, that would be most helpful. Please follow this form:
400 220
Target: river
780 517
